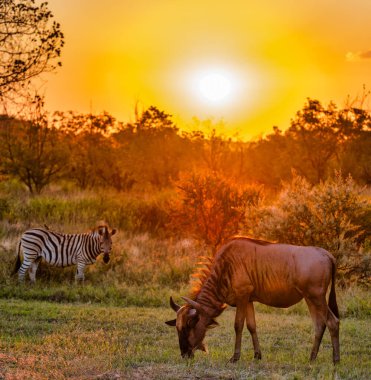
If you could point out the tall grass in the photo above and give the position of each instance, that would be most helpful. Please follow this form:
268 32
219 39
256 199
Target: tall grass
75 211
147 264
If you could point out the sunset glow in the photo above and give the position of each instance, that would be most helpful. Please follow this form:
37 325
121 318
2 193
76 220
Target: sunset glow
252 64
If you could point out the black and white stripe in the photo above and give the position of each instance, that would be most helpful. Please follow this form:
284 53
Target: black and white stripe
63 250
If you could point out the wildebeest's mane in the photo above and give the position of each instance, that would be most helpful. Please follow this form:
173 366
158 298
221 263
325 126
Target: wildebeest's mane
203 268
256 241
201 274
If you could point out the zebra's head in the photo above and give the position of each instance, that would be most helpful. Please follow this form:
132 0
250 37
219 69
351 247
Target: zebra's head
106 241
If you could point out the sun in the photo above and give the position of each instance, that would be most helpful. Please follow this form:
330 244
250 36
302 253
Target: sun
215 87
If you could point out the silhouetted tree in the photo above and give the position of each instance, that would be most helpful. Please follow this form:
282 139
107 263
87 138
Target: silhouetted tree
267 161
30 150
30 43
154 150
314 139
92 154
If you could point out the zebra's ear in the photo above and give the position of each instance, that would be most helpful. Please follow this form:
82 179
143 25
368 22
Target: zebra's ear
113 231
101 230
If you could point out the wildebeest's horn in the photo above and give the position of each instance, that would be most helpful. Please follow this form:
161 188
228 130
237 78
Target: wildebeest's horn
195 304
173 305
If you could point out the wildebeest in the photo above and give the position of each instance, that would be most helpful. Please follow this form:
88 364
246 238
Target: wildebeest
246 270
62 250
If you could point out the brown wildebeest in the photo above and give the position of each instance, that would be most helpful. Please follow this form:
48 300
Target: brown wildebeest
246 270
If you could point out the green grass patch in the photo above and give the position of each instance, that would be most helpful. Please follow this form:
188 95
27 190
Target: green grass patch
150 295
352 302
44 340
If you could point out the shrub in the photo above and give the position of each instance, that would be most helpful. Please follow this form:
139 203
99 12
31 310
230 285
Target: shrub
211 207
324 215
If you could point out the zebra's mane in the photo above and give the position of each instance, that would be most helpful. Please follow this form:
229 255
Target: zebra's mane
99 226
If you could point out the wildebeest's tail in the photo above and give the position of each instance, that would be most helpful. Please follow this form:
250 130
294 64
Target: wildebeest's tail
332 298
18 262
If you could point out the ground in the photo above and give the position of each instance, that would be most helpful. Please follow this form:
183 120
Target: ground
49 340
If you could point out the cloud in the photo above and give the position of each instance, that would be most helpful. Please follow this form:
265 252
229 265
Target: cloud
358 56
366 55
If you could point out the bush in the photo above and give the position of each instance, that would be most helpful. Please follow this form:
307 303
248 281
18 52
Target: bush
324 215
211 207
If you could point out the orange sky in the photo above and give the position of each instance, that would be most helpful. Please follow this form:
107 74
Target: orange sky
274 54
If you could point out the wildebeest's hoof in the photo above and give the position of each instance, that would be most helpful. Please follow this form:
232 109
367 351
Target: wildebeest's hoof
257 355
234 359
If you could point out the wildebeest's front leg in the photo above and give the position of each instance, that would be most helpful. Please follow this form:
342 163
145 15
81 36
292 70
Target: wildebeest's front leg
251 326
238 328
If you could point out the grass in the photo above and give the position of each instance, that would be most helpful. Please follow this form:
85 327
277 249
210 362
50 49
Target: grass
44 340
113 326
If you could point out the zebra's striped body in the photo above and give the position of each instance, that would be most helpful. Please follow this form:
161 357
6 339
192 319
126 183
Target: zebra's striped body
62 250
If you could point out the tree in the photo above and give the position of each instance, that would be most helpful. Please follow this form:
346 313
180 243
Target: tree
314 140
267 161
154 150
355 157
30 150
30 43
93 155
318 137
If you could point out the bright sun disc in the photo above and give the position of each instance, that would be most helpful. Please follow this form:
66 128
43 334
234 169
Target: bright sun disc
215 87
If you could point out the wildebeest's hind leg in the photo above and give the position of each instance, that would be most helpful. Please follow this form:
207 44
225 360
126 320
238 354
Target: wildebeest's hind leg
241 308
333 323
322 316
319 322
251 326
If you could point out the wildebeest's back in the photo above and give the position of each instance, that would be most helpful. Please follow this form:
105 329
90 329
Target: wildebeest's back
274 274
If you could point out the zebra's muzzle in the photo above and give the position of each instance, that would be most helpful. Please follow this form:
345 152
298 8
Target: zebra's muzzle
106 258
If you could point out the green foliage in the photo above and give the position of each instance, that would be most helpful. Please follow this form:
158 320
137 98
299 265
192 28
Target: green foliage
325 215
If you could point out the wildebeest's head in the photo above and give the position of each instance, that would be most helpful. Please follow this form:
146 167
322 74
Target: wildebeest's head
105 241
192 322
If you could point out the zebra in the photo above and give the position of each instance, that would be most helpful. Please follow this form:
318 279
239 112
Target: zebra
62 250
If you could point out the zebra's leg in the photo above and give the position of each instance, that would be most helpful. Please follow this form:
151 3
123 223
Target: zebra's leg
33 269
27 262
80 272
